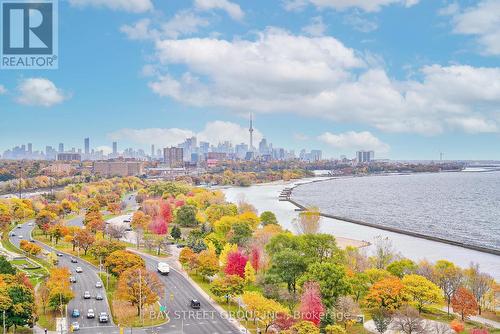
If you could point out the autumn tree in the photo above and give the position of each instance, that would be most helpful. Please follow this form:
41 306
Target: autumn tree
121 260
227 286
93 221
421 291
335 329
139 287
186 216
464 303
44 220
84 239
479 283
262 309
304 327
401 268
311 308
208 264
101 249
386 294
249 273
384 252
308 222
457 326
57 232
449 278
268 218
235 265
346 309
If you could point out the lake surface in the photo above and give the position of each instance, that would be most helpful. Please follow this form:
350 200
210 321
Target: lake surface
462 207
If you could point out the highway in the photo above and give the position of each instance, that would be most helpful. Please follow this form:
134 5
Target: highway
85 282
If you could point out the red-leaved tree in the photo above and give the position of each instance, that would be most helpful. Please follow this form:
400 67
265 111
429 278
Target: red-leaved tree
165 212
464 303
311 308
159 226
479 331
236 262
255 256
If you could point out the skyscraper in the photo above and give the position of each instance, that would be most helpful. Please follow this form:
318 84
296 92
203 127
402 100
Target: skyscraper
173 156
61 147
30 148
152 150
251 148
86 145
115 149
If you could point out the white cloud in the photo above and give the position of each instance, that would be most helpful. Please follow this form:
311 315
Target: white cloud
365 5
316 27
133 6
482 21
474 125
213 132
300 137
39 92
3 90
320 77
181 24
232 9
354 141
358 22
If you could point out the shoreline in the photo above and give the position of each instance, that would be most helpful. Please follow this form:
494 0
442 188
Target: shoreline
387 228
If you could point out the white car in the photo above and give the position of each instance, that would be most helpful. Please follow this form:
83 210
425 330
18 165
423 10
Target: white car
20 236
75 326
163 268
79 270
30 224
86 295
103 317
90 314
98 285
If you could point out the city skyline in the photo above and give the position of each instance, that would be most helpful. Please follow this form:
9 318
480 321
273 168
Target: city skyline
370 75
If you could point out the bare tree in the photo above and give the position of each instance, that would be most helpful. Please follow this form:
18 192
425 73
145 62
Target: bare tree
115 231
407 320
346 308
479 283
308 222
384 252
441 328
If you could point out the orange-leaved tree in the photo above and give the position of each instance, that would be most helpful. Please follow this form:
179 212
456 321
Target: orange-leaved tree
464 303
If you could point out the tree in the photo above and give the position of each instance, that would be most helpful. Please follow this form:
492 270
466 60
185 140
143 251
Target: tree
335 329
464 303
22 305
261 308
227 286
382 319
457 326
384 252
249 273
421 291
236 262
139 287
176 232
44 220
93 221
6 267
268 218
308 221
186 216
479 283
304 327
228 248
408 321
319 248
121 260
239 234
116 231
100 249
311 308
346 309
386 294
159 226
187 256
449 278
402 267
84 239
208 264
288 266
57 231
332 279
359 285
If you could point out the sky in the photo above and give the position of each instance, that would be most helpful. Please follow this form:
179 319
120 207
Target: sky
406 78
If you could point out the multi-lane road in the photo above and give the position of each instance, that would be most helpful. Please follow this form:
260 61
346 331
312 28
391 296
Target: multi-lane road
85 281
178 293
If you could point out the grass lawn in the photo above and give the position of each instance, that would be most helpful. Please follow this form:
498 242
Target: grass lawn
124 314
442 316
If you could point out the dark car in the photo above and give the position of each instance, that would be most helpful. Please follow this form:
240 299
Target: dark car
195 304
59 254
181 246
73 260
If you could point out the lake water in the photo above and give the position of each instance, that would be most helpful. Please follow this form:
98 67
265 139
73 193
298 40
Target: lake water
265 197
462 207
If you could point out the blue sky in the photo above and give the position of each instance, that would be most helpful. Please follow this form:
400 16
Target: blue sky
406 78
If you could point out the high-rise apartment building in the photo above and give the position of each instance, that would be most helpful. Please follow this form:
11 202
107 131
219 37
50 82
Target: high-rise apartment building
173 156
61 148
86 144
365 156
115 149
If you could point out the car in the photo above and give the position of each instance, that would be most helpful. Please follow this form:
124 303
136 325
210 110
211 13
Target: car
72 279
30 224
98 284
73 260
59 254
127 220
98 297
90 314
32 240
103 317
181 246
75 326
75 313
12 234
86 295
163 268
20 236
19 226
79 269
195 304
